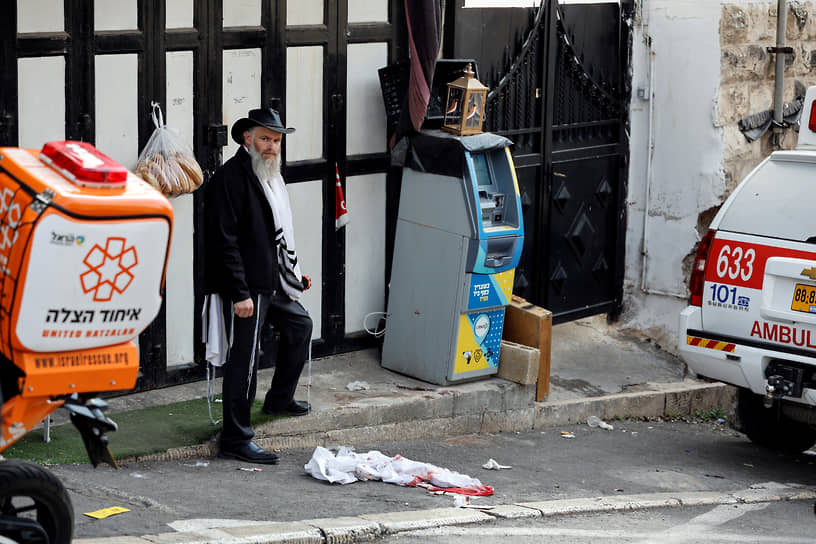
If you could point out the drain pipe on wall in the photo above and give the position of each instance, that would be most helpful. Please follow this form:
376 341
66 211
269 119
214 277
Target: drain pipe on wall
647 193
779 84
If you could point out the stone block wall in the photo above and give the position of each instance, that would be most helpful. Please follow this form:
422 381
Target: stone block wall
747 75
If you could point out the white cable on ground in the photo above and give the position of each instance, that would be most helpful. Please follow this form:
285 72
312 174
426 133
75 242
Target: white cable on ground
309 381
375 332
210 392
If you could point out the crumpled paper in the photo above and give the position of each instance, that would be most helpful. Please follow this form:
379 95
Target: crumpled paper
347 466
595 421
492 464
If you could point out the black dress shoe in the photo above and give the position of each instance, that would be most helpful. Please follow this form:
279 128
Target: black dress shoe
294 408
252 453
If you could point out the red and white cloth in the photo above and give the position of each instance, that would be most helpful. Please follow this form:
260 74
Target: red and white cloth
348 466
341 217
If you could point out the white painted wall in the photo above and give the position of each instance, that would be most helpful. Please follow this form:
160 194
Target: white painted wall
115 15
366 129
304 102
676 155
40 16
304 12
116 115
366 11
242 13
178 115
241 88
38 124
365 250
178 13
306 200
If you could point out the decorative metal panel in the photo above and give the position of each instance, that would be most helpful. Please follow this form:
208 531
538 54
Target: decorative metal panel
561 97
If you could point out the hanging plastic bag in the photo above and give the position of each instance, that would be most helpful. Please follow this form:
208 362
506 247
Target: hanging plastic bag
166 163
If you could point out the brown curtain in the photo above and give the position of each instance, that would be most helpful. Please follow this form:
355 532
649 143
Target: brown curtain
424 21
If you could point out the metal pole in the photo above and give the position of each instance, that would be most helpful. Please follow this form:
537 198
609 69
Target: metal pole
779 84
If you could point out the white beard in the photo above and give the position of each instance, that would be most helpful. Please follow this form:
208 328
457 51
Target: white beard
263 168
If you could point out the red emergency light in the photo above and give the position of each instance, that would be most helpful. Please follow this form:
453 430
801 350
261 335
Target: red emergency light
84 165
812 120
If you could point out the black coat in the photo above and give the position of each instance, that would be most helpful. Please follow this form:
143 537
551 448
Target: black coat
240 250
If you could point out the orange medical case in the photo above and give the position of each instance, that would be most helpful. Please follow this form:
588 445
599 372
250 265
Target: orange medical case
83 253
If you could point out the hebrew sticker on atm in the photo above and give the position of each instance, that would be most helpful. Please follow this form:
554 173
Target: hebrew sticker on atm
459 239
83 251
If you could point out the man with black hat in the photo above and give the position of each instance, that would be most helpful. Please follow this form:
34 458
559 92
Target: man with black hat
252 265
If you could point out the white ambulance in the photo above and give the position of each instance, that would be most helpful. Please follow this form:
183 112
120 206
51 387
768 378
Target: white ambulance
751 321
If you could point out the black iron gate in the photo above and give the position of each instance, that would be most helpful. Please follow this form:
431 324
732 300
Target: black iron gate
561 96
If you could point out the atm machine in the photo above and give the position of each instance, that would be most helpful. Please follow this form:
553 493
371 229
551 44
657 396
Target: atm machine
458 240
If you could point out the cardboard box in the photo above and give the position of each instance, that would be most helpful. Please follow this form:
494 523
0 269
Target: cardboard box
531 325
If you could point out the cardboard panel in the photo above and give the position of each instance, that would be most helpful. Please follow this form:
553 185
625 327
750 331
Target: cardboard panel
531 325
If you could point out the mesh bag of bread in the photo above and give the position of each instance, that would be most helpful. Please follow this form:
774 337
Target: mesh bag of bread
166 162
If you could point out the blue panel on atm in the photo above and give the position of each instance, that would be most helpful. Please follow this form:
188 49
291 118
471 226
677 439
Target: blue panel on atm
490 342
494 254
493 189
490 290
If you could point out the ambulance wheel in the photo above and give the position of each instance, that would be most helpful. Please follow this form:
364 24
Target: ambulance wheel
769 428
34 505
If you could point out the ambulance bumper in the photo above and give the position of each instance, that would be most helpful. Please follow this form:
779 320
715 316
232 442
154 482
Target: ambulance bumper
729 361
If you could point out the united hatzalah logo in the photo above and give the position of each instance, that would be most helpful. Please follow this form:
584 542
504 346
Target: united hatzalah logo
109 269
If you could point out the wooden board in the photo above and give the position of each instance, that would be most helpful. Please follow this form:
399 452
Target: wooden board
531 325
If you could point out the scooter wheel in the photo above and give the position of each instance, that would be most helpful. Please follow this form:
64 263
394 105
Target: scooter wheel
34 505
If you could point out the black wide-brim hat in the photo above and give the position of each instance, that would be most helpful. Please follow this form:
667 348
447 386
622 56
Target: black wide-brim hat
267 118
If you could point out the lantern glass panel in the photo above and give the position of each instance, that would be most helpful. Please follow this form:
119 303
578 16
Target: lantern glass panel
453 111
475 109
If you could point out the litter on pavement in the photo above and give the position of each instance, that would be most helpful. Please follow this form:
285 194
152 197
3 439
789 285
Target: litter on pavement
492 464
107 512
567 434
594 421
358 386
347 466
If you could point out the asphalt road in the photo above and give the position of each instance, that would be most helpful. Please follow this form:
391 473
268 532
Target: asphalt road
634 457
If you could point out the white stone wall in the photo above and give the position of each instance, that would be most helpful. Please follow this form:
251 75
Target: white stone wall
698 67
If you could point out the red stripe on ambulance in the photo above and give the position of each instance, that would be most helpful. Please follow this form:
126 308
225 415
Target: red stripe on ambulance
743 264
710 344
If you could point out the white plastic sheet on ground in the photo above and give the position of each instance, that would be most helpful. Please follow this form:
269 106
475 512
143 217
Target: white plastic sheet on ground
348 466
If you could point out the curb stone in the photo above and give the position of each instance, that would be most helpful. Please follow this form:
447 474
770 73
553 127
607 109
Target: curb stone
368 527
501 414
346 529
396 522
513 511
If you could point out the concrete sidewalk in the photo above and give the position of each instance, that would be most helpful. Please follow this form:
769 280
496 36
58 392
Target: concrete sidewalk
595 370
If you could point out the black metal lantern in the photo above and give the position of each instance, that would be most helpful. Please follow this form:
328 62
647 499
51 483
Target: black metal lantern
464 109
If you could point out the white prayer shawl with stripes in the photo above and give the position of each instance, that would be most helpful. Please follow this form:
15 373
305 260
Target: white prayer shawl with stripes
288 266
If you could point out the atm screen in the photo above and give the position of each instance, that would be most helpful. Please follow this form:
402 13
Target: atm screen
481 169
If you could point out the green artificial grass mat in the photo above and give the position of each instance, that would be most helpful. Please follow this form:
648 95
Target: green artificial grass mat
141 432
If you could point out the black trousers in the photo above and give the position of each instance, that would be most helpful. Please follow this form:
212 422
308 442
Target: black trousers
240 372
